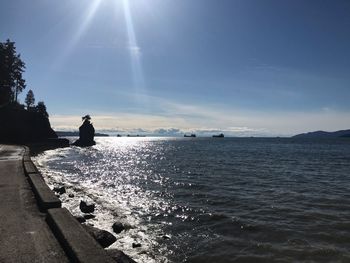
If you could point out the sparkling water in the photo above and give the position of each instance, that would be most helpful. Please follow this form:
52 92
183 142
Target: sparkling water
213 199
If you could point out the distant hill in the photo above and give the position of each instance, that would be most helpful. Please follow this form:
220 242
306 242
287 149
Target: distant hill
76 133
324 134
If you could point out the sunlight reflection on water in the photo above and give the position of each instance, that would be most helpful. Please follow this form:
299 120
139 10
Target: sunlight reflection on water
110 175
212 200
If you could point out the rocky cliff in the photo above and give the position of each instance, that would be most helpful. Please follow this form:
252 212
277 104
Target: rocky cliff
20 126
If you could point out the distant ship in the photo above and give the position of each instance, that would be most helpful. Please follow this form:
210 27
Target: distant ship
221 135
192 135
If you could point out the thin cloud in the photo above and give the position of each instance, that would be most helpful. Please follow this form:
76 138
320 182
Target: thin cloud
209 119
235 123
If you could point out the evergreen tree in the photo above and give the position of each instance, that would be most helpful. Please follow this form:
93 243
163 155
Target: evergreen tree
41 108
30 100
86 118
11 69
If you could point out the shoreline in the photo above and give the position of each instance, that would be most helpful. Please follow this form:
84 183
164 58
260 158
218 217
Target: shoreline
140 240
53 210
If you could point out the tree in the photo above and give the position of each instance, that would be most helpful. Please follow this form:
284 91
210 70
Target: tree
41 108
30 100
11 69
86 118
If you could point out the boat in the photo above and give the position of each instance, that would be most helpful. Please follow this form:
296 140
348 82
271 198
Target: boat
192 135
221 135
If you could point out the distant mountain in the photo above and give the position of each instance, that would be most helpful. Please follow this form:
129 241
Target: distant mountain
323 134
76 133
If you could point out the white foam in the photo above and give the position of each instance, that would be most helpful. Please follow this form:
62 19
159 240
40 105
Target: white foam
126 203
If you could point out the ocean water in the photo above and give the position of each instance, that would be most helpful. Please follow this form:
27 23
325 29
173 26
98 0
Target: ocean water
213 199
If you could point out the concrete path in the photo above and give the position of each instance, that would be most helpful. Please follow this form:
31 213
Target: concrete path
24 234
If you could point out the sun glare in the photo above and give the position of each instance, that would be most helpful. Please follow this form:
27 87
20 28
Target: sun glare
72 43
134 50
131 45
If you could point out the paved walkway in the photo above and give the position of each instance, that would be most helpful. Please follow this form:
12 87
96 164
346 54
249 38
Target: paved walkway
24 234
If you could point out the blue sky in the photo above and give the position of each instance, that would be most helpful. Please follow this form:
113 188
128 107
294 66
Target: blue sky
245 67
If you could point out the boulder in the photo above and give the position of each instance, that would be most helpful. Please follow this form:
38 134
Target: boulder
166 237
59 189
119 256
118 227
86 207
135 245
103 237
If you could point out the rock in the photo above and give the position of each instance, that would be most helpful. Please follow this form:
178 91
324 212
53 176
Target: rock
119 256
71 195
118 227
135 245
103 237
80 219
89 216
86 207
59 189
86 133
81 143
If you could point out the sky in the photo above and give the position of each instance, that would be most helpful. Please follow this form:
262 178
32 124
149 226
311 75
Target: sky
242 67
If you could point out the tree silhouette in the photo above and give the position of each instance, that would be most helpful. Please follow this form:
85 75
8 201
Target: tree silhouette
30 100
86 118
41 108
11 69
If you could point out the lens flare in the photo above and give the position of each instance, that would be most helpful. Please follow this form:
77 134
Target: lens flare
74 40
135 53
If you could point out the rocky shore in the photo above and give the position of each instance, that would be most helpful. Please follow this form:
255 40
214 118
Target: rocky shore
102 237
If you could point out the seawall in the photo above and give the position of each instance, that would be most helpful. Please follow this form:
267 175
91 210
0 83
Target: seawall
54 235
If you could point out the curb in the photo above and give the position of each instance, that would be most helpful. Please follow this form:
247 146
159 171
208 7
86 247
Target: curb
45 197
75 241
29 168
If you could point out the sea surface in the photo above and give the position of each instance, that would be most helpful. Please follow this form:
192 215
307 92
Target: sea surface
213 199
